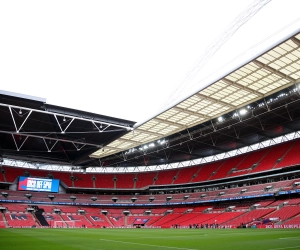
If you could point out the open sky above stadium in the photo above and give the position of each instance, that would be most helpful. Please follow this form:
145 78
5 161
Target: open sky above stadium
126 59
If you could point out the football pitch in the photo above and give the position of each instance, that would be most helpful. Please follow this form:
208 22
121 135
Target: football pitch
150 239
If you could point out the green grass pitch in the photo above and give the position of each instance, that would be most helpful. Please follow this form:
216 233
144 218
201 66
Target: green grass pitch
150 239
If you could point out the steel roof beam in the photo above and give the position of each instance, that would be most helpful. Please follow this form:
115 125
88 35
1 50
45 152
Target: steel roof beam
242 87
139 130
50 138
62 115
168 122
215 100
296 41
191 112
272 70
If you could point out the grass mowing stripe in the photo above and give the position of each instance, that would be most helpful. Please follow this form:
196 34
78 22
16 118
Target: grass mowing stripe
141 244
15 239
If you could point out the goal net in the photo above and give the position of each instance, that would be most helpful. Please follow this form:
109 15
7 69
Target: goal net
64 224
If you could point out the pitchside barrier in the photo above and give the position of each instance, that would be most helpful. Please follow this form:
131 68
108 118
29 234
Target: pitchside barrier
282 226
71 224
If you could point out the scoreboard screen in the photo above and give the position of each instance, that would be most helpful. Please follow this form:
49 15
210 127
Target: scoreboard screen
38 184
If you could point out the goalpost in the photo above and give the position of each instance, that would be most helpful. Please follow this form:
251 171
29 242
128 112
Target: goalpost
64 224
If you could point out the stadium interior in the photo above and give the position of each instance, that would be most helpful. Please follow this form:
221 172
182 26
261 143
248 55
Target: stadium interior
227 157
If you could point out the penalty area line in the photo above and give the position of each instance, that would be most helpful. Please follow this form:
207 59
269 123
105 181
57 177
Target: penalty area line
134 243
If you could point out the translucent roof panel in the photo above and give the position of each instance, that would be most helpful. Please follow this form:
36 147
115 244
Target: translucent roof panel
274 70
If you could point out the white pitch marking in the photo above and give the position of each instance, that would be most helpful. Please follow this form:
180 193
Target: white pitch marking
297 247
133 243
229 234
168 237
287 238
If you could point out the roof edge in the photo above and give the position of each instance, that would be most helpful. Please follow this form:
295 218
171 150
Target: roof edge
23 96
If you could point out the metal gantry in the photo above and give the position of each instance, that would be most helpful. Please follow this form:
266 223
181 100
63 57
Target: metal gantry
25 113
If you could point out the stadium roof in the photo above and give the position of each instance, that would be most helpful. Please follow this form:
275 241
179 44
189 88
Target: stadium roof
31 129
255 102
263 76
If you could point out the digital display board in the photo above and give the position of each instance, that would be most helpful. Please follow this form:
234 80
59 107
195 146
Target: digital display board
38 184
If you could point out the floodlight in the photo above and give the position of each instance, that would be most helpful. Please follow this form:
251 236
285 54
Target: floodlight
243 111
163 141
220 119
